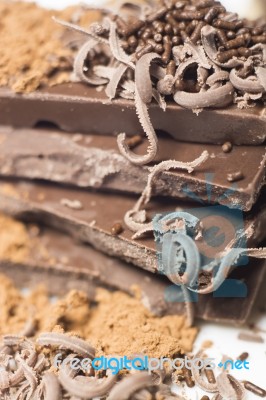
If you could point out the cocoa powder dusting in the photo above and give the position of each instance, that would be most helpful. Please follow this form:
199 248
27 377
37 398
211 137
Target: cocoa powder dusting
116 324
27 59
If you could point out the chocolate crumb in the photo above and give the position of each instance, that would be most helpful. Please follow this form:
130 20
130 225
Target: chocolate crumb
227 147
205 398
251 387
235 176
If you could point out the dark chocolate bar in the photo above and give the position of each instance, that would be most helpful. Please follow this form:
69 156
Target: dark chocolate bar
77 107
90 217
64 264
94 161
70 265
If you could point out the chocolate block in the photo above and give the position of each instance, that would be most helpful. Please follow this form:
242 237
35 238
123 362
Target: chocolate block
83 268
78 107
94 161
64 264
94 214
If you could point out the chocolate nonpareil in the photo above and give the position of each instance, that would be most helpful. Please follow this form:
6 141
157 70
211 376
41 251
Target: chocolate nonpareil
93 161
33 254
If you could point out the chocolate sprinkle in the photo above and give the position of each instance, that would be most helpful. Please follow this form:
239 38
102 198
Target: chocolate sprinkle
244 356
116 229
235 176
227 147
201 39
251 387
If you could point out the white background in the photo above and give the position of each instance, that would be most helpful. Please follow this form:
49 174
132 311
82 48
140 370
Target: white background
225 338
241 6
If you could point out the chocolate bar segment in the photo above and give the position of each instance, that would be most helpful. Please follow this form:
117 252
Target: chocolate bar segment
94 161
77 107
90 216
83 268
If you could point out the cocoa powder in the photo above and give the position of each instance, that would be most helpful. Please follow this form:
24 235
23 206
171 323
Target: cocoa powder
31 50
116 324
14 240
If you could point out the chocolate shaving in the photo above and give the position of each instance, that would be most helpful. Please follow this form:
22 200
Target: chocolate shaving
90 387
219 76
112 86
197 53
139 226
220 97
143 115
91 33
79 64
30 376
199 380
75 344
261 74
128 386
51 387
166 166
229 387
142 77
250 84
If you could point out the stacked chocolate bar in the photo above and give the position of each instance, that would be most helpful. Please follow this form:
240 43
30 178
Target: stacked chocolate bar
194 77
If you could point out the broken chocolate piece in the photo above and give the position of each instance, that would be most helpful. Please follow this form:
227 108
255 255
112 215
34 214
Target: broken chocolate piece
93 223
93 161
84 268
77 107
